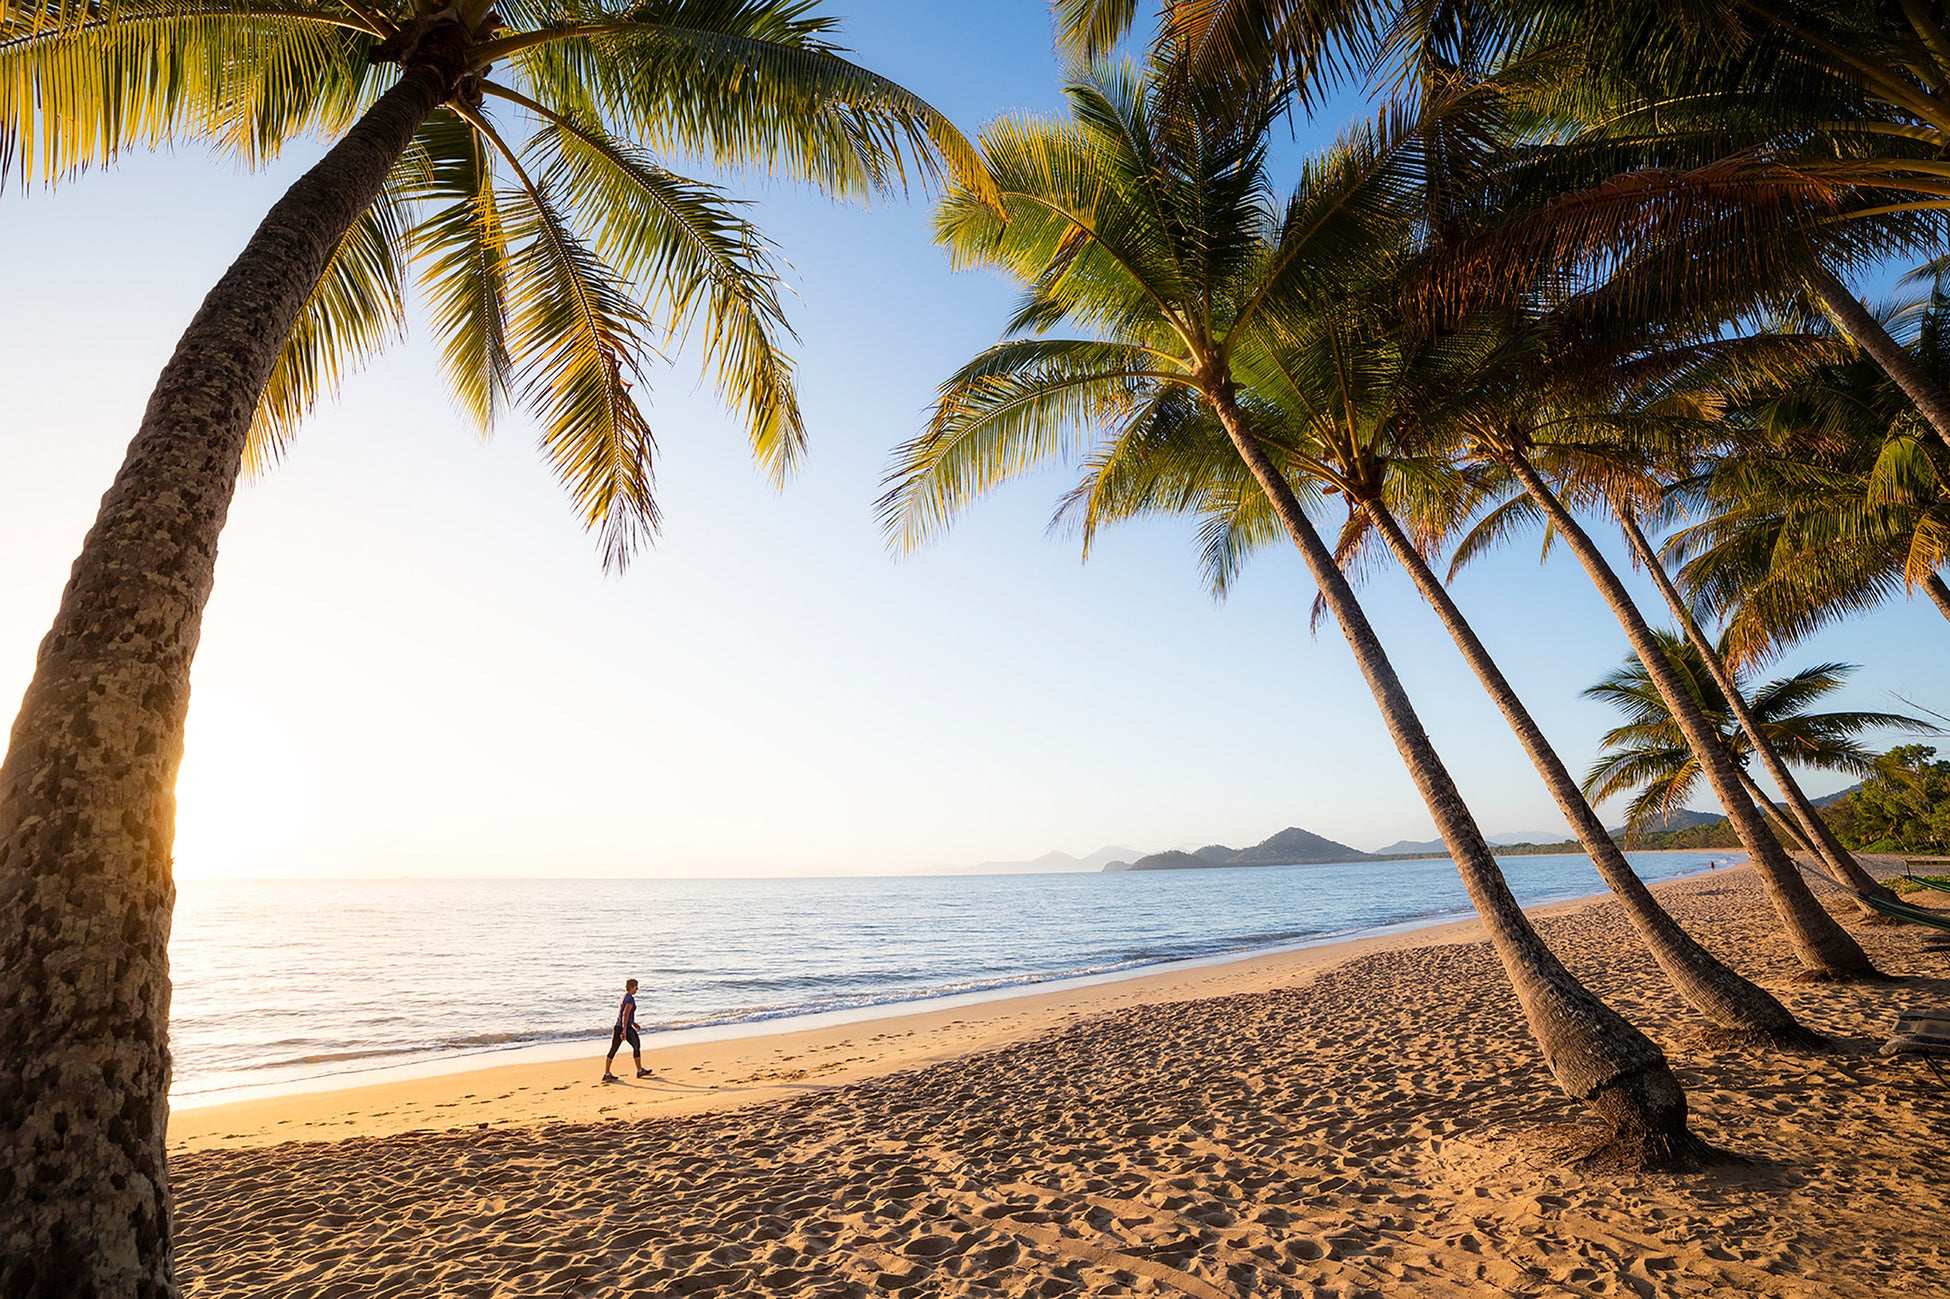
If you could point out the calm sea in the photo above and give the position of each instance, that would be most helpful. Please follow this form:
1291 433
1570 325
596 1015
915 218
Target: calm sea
286 980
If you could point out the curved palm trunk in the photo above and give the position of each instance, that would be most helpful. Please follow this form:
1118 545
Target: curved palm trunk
1924 392
1707 985
1824 948
87 790
1939 593
1615 1070
1782 824
1828 850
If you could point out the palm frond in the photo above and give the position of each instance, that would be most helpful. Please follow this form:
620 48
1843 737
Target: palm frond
464 248
575 339
84 84
697 262
744 84
1015 407
357 307
1090 29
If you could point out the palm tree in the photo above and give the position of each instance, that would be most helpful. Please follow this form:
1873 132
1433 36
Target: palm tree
1836 101
1664 410
546 254
1829 501
1147 219
1571 412
1649 755
1366 417
1815 834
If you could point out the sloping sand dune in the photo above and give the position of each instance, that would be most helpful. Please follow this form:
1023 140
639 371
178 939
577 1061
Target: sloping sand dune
1386 1128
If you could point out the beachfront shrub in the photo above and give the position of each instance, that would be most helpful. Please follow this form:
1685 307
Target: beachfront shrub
1902 806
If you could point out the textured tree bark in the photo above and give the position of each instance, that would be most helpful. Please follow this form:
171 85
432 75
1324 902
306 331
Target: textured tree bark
1862 326
1835 859
1596 1056
87 790
1824 948
1781 823
1939 593
1730 1002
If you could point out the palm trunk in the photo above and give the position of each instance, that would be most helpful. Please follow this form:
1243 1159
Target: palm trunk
1828 850
1924 392
1708 986
87 791
1824 948
1939 593
1615 1070
1782 825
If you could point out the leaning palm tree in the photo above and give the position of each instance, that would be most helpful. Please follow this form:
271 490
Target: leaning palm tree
519 157
1147 219
1813 829
1570 416
1664 409
1648 758
1356 410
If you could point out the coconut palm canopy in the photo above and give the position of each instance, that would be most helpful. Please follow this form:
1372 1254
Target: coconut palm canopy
1147 221
1828 500
1648 758
1165 237
555 247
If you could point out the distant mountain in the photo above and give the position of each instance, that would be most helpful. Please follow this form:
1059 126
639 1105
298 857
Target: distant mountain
1293 846
1051 862
1290 847
1437 848
1829 800
1684 819
1171 859
1683 829
1403 847
1530 836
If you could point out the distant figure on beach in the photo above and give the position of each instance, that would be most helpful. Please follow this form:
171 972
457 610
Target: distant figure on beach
1712 865
626 1029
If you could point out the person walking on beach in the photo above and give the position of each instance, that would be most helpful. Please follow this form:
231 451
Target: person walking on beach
626 1029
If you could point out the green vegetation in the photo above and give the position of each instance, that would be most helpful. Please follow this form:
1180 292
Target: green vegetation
1916 886
1649 755
1903 805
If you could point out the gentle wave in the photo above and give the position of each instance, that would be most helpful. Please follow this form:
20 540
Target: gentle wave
370 973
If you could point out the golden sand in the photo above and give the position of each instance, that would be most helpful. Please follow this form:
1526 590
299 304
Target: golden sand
1367 1118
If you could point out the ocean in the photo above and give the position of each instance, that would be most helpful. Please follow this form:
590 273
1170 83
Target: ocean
296 981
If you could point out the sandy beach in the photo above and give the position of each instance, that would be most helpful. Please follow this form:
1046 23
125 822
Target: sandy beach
1362 1118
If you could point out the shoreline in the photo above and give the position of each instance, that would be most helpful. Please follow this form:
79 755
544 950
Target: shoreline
734 1066
1367 1118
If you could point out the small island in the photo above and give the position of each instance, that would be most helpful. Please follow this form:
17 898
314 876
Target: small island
1290 847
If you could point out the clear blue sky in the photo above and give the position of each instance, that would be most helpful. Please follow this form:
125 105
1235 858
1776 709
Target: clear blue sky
413 663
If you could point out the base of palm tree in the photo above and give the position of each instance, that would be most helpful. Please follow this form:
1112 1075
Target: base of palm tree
1844 976
1646 1115
1796 1041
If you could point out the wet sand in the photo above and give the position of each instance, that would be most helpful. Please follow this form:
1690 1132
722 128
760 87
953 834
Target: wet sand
1367 1118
